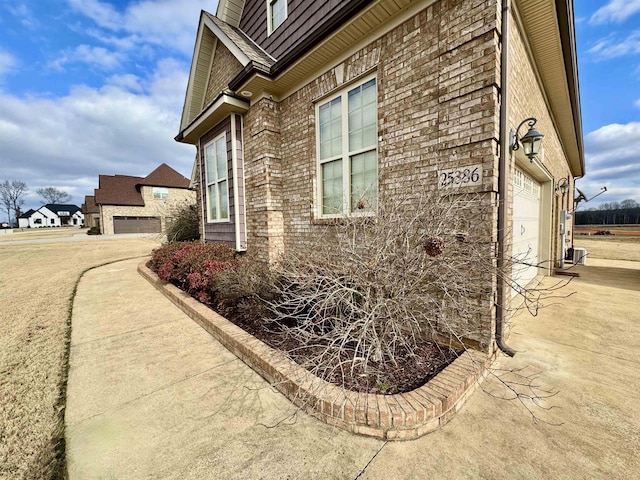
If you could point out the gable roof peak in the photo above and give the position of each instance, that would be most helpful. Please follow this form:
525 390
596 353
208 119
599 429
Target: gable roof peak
165 176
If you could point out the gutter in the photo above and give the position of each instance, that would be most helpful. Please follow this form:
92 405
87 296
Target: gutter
503 182
567 29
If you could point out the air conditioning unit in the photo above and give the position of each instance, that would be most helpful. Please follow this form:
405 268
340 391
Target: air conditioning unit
579 256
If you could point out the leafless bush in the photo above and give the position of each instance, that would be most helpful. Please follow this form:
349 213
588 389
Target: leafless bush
374 286
368 289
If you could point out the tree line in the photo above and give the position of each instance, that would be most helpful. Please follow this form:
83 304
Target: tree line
13 193
625 212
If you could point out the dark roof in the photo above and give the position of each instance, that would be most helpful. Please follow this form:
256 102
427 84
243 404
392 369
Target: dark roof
89 205
58 207
28 213
118 190
259 58
125 189
165 176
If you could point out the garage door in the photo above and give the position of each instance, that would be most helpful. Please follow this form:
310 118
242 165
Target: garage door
526 228
136 224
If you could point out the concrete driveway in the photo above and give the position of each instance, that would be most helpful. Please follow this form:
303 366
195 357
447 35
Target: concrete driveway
152 395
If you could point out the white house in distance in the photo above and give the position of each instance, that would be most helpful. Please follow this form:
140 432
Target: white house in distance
52 215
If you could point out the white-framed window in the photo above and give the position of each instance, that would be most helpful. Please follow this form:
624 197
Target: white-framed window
347 151
160 193
215 155
276 14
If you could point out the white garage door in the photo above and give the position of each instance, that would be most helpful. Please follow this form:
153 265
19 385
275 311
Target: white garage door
526 228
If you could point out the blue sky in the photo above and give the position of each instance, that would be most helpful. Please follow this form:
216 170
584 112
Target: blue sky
91 87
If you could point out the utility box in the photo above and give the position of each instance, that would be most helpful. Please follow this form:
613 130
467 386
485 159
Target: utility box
579 256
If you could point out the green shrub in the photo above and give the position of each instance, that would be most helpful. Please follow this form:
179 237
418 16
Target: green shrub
93 231
246 290
185 224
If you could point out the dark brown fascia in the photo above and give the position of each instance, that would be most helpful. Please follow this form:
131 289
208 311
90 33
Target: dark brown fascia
568 39
327 28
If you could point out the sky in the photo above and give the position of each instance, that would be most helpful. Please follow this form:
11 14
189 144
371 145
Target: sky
90 87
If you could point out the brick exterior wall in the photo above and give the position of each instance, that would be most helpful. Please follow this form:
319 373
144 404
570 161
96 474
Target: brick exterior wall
439 93
527 99
223 67
153 207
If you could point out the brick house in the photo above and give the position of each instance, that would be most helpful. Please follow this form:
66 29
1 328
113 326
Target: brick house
128 204
305 111
91 211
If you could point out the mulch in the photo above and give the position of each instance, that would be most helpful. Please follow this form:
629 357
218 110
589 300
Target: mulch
411 370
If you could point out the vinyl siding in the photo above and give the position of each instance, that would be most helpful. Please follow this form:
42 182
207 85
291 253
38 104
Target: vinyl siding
304 17
226 231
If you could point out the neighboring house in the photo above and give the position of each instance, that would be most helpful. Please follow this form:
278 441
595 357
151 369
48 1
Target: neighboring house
305 111
52 215
91 211
129 204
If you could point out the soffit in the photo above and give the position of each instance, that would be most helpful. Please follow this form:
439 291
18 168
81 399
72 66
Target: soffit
540 22
222 107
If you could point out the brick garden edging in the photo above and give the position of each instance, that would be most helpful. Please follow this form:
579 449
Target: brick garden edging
391 417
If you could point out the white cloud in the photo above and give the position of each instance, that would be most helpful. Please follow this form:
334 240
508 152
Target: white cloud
125 127
7 62
610 47
611 161
23 14
96 56
167 23
616 11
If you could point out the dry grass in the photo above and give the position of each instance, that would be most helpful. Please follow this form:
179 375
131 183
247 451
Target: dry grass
610 248
37 282
38 233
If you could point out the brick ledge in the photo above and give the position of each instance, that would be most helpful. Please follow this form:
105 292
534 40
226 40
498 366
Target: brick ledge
402 416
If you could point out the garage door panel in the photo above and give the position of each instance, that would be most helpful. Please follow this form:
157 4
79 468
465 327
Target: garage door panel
526 228
136 225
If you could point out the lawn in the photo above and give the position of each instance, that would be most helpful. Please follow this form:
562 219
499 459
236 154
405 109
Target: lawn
37 282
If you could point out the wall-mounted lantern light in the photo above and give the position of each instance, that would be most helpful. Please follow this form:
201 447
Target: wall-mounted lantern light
531 140
563 186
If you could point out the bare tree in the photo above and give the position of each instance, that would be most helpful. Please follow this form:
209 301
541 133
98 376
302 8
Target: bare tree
53 195
12 196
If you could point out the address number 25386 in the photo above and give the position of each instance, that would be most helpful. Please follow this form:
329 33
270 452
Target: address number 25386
460 177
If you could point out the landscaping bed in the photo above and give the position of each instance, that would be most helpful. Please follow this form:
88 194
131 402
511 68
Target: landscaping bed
242 291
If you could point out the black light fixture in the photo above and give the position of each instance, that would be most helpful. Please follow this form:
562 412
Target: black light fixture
563 186
531 140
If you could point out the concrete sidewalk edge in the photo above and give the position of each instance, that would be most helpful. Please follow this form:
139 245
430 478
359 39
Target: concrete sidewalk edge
390 417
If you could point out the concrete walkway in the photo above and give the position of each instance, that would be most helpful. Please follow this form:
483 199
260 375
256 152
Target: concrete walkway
152 395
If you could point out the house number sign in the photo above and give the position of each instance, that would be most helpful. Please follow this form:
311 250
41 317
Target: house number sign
460 177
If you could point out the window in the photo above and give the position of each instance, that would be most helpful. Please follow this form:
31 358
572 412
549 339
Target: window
160 193
347 133
37 221
215 154
276 13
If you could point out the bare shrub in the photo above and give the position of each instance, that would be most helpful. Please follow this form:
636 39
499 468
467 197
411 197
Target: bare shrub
366 292
374 287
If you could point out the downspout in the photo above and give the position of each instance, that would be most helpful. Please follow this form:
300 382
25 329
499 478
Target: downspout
503 182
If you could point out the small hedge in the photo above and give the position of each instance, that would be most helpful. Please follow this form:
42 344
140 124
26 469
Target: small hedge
193 267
